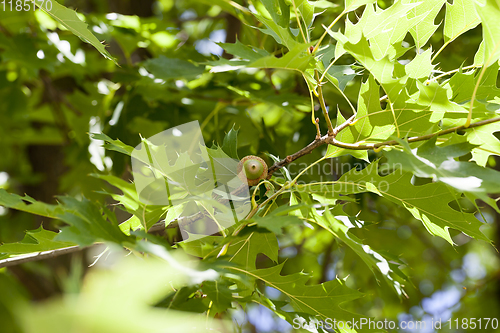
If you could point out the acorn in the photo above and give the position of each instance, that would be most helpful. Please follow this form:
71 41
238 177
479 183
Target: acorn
252 169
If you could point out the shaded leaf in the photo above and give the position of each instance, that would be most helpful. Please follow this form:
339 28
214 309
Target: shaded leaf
438 163
279 11
172 68
35 241
278 219
323 300
230 143
244 249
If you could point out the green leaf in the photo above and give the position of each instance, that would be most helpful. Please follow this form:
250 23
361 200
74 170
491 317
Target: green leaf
420 66
244 52
489 12
306 10
350 5
282 35
487 143
28 204
385 29
425 28
346 136
244 249
279 11
278 219
322 300
296 59
102 305
111 144
427 203
224 167
129 198
381 68
230 143
463 84
35 241
438 163
219 293
373 123
479 56
434 98
172 68
69 19
339 75
460 17
377 264
87 224
145 215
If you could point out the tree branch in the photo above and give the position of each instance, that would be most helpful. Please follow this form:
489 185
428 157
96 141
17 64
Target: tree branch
290 158
39 256
326 139
358 146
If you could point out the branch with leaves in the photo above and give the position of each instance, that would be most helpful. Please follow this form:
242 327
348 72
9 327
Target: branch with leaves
329 139
437 122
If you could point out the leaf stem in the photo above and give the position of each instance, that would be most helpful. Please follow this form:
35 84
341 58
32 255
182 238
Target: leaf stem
326 71
474 92
298 21
440 50
314 120
392 110
326 31
323 107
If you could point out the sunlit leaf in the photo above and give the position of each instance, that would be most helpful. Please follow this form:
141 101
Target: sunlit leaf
70 20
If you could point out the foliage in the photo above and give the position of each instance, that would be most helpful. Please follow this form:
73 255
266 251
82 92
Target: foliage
381 213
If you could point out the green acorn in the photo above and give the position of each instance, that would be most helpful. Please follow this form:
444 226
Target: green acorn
252 169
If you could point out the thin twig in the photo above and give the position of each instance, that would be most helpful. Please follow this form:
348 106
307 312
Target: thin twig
290 158
358 146
39 256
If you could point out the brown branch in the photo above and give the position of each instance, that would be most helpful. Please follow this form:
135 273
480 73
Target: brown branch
290 158
357 146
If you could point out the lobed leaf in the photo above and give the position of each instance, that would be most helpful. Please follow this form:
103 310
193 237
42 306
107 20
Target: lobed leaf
69 19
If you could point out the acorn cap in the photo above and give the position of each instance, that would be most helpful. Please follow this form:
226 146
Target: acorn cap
252 169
